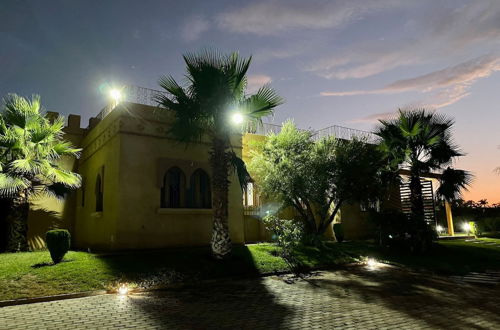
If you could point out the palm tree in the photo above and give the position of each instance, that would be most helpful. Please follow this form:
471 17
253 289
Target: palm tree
421 141
215 92
30 148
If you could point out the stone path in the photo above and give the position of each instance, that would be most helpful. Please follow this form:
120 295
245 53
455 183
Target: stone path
383 298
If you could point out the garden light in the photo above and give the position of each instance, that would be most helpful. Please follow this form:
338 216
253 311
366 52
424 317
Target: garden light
371 263
466 227
237 118
439 229
123 290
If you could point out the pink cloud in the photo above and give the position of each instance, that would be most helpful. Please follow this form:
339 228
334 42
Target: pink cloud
449 85
255 81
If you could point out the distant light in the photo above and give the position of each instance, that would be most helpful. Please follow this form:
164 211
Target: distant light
115 94
237 118
123 290
390 236
466 227
439 229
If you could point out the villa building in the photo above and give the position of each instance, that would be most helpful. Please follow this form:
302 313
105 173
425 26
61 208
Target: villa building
143 189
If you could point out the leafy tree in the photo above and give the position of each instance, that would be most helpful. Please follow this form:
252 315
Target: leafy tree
421 141
215 91
30 149
316 178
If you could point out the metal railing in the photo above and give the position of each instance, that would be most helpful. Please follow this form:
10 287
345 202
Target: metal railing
340 132
345 133
141 95
146 96
133 94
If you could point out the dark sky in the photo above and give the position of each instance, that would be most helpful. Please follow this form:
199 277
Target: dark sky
343 62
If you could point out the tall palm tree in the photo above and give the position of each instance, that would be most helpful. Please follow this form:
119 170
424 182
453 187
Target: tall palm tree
421 141
30 149
215 91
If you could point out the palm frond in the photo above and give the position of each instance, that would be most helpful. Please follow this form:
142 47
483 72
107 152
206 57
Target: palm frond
11 185
67 178
240 169
27 166
261 103
55 190
453 182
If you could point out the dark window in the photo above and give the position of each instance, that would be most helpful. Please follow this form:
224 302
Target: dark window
99 194
173 189
199 189
83 191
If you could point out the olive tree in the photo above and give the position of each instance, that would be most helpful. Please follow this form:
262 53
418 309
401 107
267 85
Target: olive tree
316 178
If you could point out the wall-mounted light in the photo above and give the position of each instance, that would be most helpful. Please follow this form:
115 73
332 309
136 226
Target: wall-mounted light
116 95
237 118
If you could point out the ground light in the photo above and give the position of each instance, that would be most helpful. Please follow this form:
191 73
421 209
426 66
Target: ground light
439 229
123 290
466 227
237 118
372 264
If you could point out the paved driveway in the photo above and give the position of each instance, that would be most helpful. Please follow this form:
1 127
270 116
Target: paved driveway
386 298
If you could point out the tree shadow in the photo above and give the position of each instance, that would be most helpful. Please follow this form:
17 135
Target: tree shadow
40 220
438 301
215 294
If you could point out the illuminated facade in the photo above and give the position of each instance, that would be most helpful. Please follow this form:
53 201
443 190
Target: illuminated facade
144 189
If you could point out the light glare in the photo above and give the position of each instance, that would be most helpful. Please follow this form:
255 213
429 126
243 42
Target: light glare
237 118
115 94
123 290
439 229
466 227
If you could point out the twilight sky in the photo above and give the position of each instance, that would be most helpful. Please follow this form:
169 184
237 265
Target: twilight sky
347 62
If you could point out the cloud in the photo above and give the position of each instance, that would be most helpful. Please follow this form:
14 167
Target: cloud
194 28
450 84
433 31
374 118
361 63
463 73
273 17
254 82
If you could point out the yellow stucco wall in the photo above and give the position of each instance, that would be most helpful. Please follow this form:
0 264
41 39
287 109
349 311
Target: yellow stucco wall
101 148
131 145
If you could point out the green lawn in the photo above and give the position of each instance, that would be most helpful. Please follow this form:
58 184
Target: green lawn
31 274
455 257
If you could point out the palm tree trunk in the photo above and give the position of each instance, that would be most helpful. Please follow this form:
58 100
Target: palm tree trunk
221 243
17 223
416 198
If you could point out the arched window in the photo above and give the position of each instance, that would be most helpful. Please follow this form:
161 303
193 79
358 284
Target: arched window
173 190
99 194
199 188
249 196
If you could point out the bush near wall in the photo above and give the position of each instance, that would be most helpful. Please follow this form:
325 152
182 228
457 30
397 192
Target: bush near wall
58 243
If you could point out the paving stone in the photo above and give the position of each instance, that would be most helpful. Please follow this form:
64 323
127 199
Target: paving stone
388 298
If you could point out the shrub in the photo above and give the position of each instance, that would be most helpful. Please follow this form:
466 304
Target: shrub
58 242
339 232
288 235
397 230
